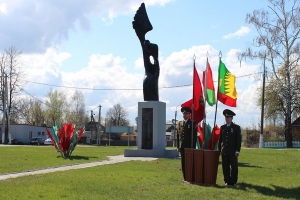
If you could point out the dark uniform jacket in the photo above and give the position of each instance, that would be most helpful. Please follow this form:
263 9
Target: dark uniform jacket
230 139
185 137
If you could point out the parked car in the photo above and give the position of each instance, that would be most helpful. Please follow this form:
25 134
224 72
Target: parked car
15 141
48 141
37 141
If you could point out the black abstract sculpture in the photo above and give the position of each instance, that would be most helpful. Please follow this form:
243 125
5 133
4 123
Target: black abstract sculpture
142 25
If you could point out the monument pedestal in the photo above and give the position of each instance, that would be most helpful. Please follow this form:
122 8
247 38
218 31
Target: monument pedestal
151 127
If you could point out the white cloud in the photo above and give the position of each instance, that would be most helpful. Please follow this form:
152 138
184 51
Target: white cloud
248 110
178 67
39 67
139 63
3 8
105 73
40 28
102 74
34 26
234 66
239 33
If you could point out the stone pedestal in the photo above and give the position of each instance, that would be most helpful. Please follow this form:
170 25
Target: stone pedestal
151 132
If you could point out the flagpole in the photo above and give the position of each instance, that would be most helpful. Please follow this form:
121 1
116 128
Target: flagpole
193 105
205 99
205 84
220 56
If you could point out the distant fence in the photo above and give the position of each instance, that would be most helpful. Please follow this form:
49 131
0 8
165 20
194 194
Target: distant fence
279 144
117 143
121 142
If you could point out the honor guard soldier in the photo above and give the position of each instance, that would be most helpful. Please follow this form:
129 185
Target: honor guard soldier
186 128
230 145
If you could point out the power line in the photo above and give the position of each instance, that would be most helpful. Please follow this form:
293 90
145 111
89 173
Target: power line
177 86
111 89
81 88
39 100
46 103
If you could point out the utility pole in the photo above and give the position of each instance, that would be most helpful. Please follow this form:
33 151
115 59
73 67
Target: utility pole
7 110
174 121
99 127
5 119
262 107
93 122
91 115
4 111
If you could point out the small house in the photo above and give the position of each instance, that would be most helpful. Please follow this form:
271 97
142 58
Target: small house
296 129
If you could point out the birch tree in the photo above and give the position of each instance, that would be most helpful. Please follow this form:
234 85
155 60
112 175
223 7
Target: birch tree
278 30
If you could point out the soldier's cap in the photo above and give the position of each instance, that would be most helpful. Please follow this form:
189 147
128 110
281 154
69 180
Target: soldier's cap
186 110
228 113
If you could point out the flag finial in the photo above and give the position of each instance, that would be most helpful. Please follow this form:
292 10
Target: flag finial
220 54
194 57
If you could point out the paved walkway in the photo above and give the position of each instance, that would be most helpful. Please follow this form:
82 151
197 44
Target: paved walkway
111 160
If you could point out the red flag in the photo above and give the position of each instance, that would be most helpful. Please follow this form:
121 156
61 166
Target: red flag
61 136
197 99
198 114
214 137
197 89
69 133
80 133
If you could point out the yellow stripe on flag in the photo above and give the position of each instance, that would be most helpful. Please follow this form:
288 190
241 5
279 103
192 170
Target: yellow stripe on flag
230 89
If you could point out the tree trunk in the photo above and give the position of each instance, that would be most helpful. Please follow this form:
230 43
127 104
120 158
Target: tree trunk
6 137
288 133
289 138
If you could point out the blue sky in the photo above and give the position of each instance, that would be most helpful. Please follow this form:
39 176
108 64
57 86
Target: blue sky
91 44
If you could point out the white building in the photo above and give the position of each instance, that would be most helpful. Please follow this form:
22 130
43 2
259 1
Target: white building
24 132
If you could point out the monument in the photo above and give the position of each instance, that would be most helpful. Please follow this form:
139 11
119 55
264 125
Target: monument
151 113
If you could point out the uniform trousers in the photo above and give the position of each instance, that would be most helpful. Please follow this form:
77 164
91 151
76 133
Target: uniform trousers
182 154
230 168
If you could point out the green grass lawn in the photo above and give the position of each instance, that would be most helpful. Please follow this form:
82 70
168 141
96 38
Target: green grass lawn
263 174
23 158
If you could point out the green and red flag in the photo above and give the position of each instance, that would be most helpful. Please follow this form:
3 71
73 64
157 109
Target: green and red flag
227 92
206 135
209 86
200 136
65 138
